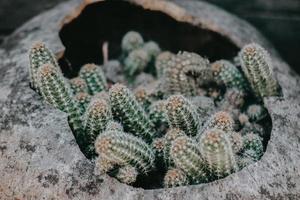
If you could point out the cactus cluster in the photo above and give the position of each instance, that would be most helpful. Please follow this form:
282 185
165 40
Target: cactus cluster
192 120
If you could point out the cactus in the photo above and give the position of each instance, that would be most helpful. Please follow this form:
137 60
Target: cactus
127 174
123 148
78 85
103 165
82 99
143 97
184 72
253 128
131 41
254 143
236 140
94 77
243 119
55 91
247 158
256 112
158 146
225 73
136 62
114 126
157 113
97 116
186 156
220 120
175 177
127 110
169 137
181 114
161 62
152 49
233 98
257 66
39 55
217 151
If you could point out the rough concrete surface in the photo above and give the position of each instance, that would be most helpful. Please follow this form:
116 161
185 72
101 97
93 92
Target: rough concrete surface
39 158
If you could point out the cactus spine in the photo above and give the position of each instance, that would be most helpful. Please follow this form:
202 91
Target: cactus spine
122 148
257 66
94 77
181 114
126 109
217 151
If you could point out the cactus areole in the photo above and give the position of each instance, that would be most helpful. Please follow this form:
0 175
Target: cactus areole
120 97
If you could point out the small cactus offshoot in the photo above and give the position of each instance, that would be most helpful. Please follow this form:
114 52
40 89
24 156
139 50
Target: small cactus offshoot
175 177
136 62
131 41
161 62
78 85
152 49
256 112
253 142
82 99
127 174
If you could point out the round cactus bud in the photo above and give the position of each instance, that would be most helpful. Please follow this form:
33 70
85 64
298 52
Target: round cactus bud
152 49
236 140
136 62
235 98
82 99
243 119
161 62
103 165
157 113
158 146
122 148
175 177
142 96
257 66
78 85
182 114
94 77
216 149
131 41
256 112
186 156
114 126
127 174
253 142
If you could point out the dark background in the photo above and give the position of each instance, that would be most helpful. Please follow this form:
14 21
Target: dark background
278 20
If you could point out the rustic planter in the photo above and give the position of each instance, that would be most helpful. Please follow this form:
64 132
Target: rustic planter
39 158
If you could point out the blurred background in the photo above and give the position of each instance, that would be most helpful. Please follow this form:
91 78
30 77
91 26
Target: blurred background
278 20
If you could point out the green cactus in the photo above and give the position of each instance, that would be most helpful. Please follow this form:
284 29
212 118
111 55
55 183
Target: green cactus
157 113
82 99
127 174
216 149
127 110
136 62
114 126
78 85
39 55
253 142
175 177
182 114
97 116
152 49
94 77
161 62
253 128
256 112
55 91
123 148
131 41
225 73
257 66
186 156
184 72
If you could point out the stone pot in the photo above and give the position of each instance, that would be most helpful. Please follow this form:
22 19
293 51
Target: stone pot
39 158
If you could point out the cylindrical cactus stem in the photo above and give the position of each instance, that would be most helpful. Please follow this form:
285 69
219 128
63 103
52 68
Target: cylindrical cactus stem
182 114
127 174
55 91
152 49
169 137
136 62
82 99
161 62
39 55
97 116
225 73
254 143
256 112
186 156
103 166
184 72
78 84
220 120
130 113
123 148
216 149
157 113
257 66
114 126
94 77
131 41
175 177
